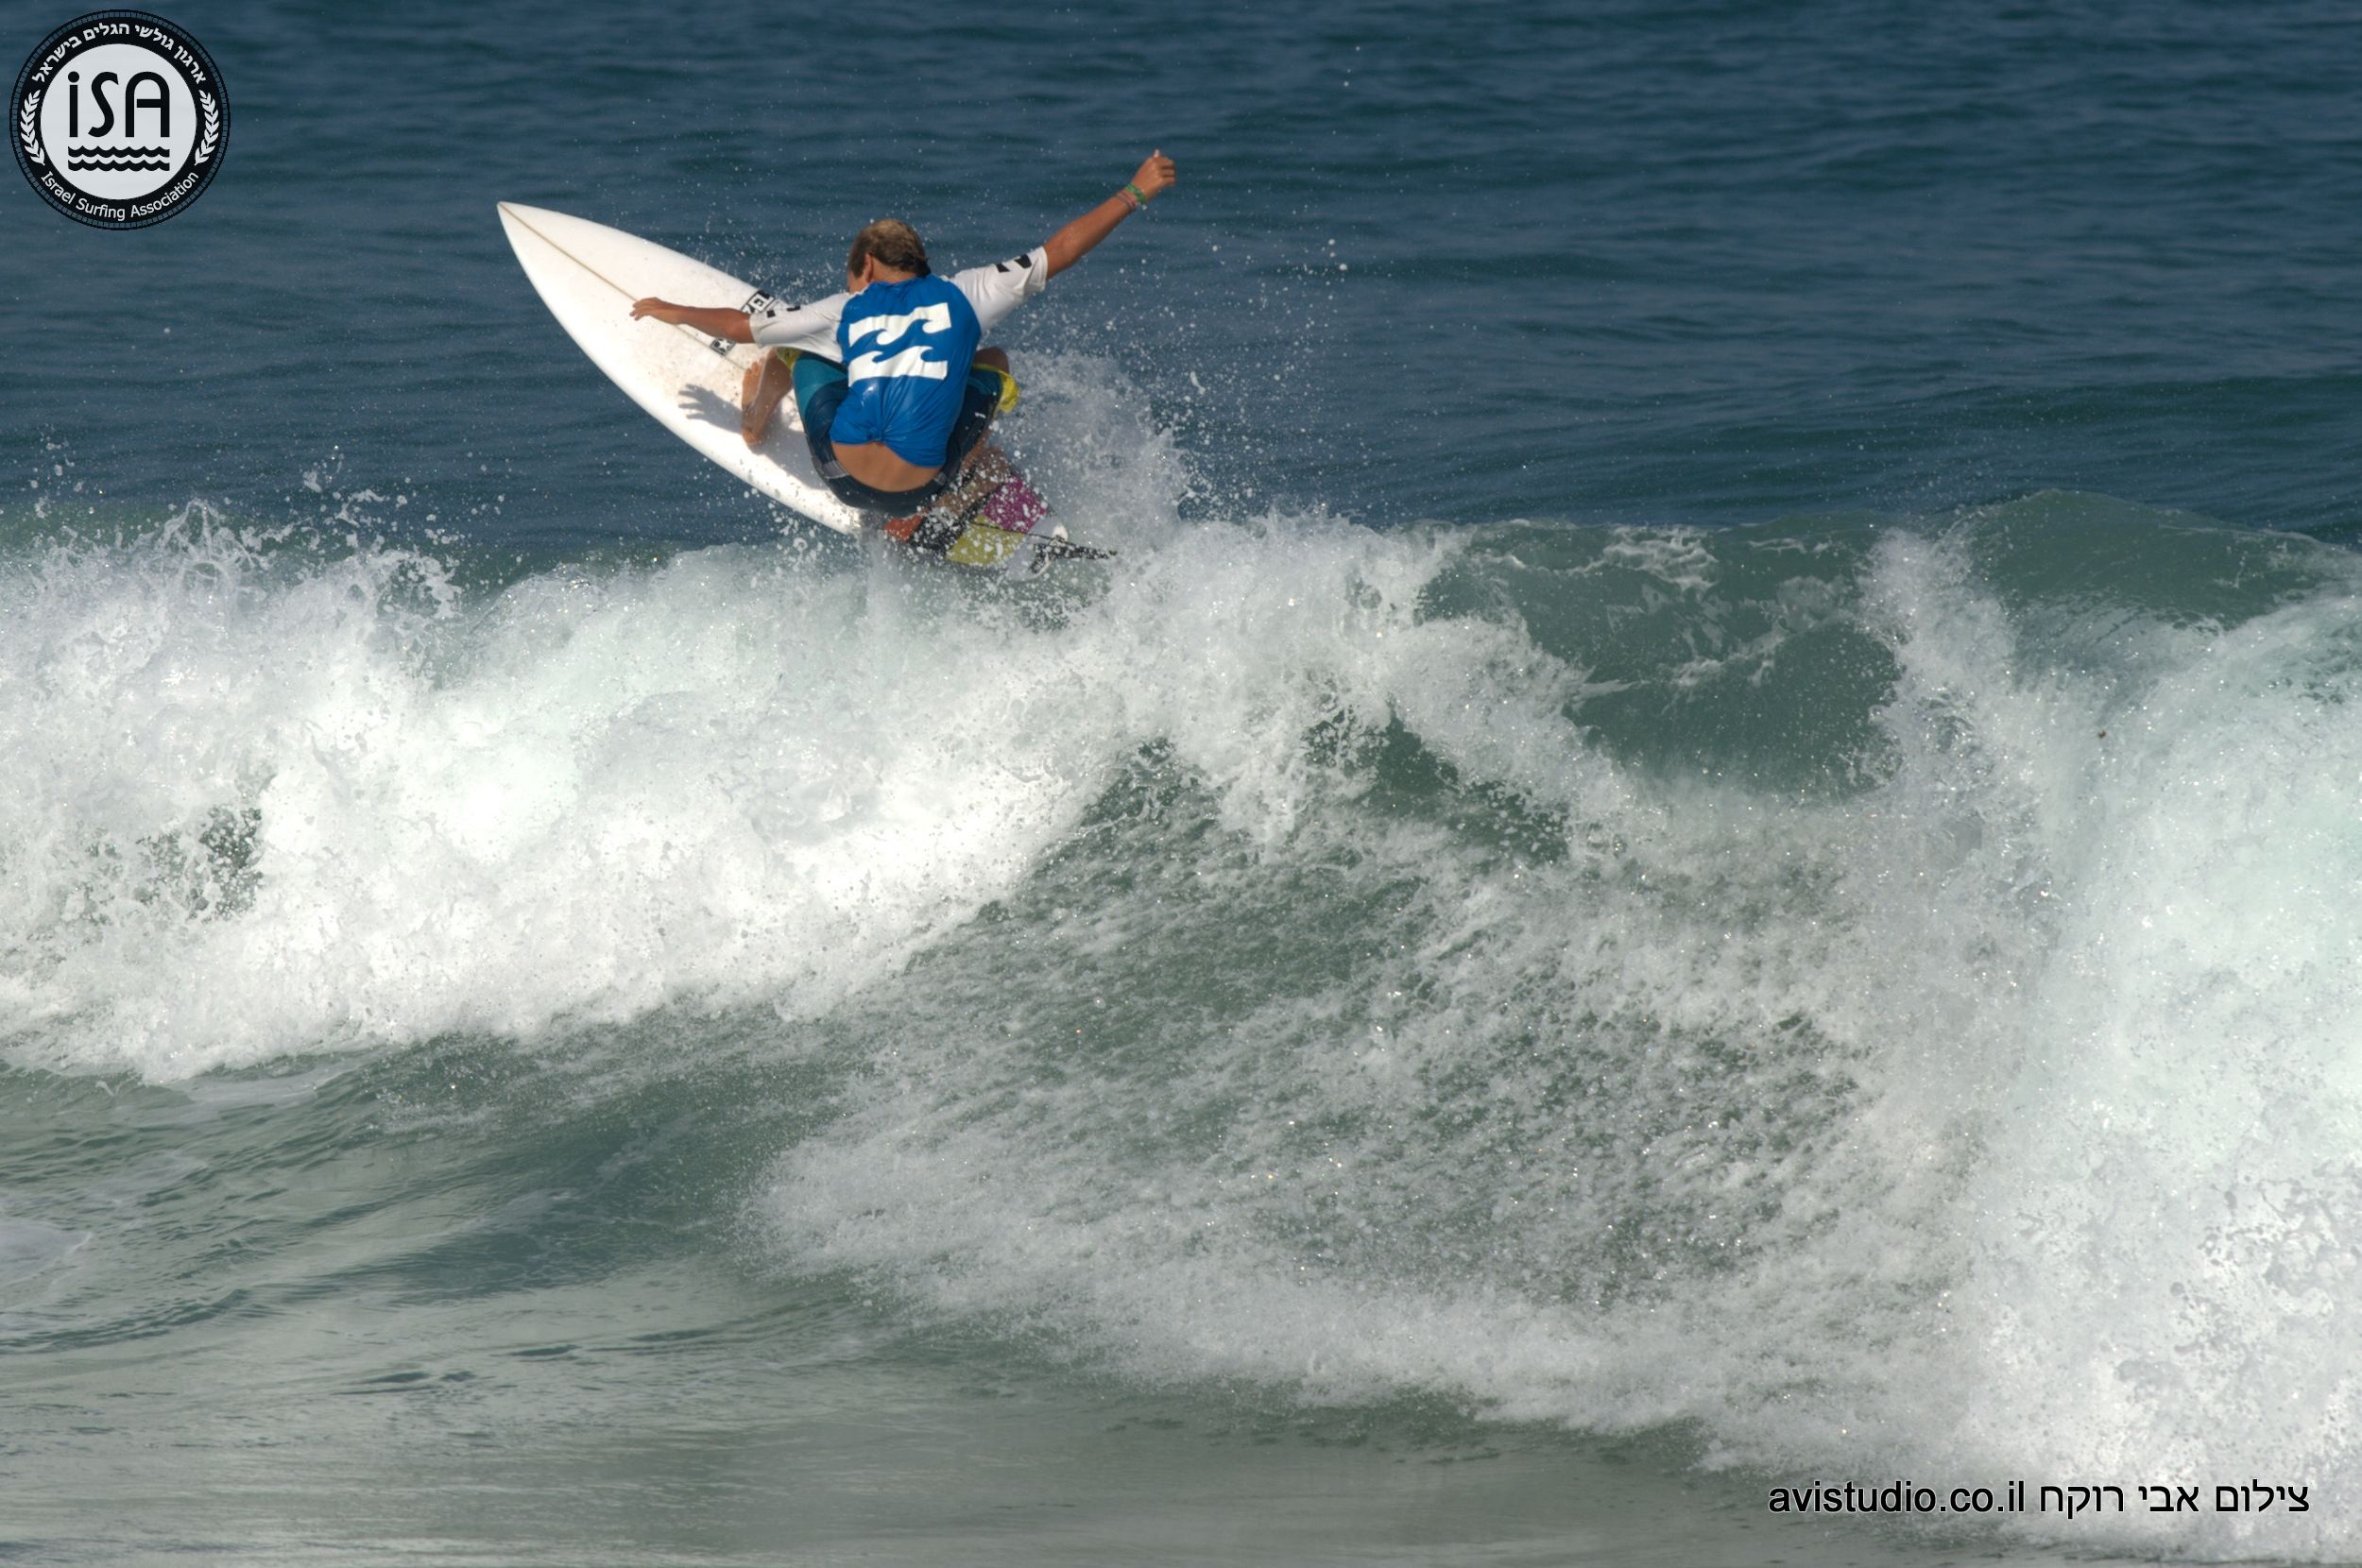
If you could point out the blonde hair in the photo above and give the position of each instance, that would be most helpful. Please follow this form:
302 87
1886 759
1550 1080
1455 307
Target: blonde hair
894 243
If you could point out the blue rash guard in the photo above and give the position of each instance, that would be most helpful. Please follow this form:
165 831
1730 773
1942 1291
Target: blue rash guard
906 348
875 393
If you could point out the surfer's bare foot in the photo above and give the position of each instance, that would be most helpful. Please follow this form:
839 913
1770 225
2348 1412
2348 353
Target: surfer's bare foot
759 396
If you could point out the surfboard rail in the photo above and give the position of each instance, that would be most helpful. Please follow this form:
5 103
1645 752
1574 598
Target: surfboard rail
589 274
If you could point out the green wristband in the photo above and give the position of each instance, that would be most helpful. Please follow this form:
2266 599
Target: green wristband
1137 195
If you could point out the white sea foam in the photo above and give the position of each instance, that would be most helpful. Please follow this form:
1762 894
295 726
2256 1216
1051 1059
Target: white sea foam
1392 1024
264 810
1995 1123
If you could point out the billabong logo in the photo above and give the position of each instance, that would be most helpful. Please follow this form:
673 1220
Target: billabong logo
119 119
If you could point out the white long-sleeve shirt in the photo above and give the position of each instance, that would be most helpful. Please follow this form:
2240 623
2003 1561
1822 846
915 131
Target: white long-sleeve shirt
992 290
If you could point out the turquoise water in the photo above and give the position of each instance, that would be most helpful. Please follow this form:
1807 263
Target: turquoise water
1704 839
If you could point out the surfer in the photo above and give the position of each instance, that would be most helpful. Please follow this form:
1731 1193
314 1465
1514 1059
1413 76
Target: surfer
892 380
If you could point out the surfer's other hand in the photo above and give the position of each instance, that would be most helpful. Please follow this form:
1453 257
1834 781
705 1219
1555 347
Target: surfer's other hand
1156 175
662 309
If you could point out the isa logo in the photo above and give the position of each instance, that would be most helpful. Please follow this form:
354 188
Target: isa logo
119 119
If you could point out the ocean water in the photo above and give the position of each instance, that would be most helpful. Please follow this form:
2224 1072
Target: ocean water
1705 840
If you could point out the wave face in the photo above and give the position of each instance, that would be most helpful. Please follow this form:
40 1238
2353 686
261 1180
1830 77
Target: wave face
1882 996
1876 995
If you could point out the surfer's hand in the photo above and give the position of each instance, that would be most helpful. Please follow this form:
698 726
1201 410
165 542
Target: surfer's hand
663 310
1156 175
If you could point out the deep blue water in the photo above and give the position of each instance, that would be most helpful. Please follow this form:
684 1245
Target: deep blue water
1706 838
1621 264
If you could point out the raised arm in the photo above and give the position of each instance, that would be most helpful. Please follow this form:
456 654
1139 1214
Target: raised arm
1070 244
712 320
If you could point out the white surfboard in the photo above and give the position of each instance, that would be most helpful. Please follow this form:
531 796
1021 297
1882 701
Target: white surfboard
589 275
